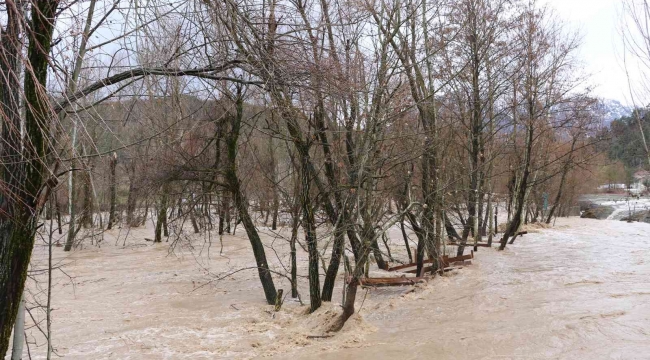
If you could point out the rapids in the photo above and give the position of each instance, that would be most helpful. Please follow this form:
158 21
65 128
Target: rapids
580 290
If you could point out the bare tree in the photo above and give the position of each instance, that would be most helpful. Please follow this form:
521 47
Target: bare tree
636 42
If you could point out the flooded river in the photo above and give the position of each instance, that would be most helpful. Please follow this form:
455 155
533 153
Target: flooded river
578 291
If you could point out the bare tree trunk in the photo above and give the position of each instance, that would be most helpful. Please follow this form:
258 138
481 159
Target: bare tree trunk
71 86
242 204
19 332
87 213
513 226
384 238
195 225
637 116
419 253
490 150
49 211
486 216
309 227
24 169
179 207
476 63
131 201
332 269
449 227
113 191
207 205
88 193
48 306
72 208
227 210
57 209
222 213
351 292
295 213
565 171
164 219
381 263
145 214
276 206
406 240
491 229
266 209
161 220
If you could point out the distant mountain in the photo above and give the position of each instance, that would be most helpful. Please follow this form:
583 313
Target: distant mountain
611 110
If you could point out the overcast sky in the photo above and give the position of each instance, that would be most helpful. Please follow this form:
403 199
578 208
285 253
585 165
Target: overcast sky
598 22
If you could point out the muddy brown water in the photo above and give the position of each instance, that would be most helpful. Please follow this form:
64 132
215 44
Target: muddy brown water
580 290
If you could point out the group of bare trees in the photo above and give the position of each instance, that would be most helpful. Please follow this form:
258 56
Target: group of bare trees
636 59
337 119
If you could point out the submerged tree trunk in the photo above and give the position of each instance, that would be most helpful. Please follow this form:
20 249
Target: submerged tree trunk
348 305
351 291
352 286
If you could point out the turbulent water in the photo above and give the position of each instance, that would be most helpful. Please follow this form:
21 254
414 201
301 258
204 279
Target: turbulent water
580 290
626 207
623 206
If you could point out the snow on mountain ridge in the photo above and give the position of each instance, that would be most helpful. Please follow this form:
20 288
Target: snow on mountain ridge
612 110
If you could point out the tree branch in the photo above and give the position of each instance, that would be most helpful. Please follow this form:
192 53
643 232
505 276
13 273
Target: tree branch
203 72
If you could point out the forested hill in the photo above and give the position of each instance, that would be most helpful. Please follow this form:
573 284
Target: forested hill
624 142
